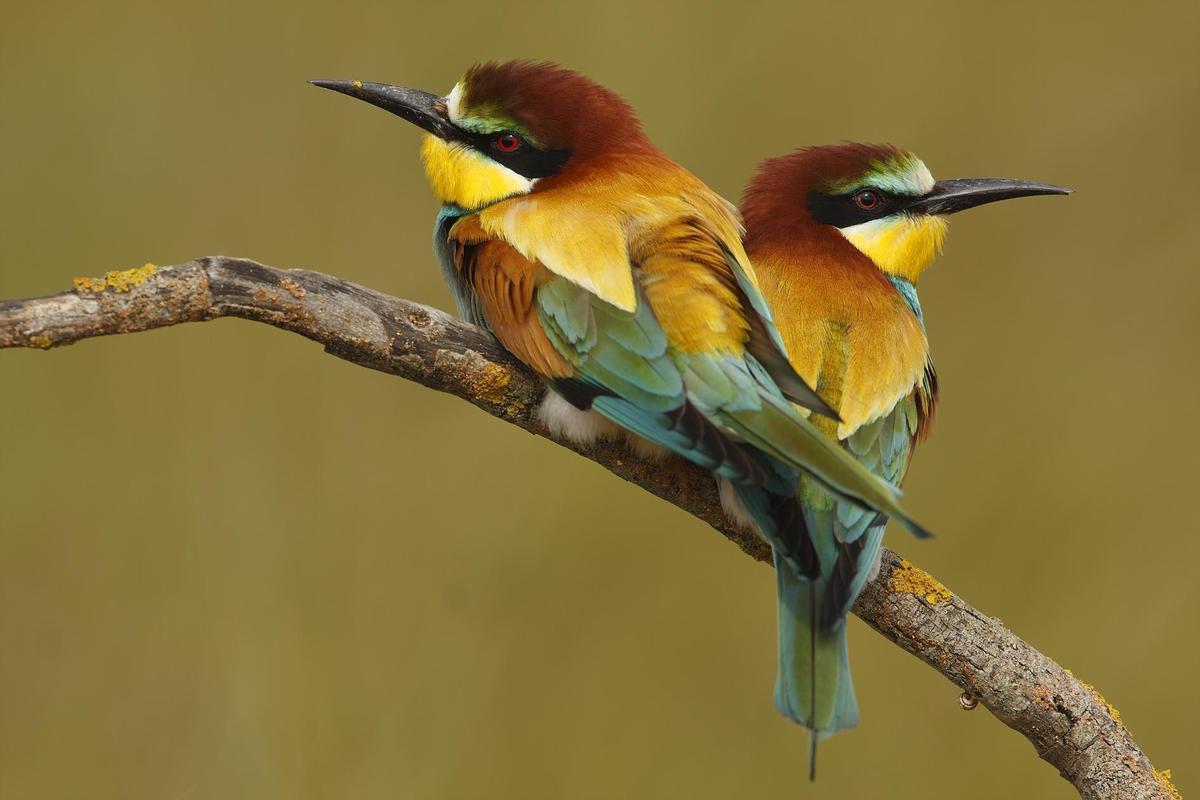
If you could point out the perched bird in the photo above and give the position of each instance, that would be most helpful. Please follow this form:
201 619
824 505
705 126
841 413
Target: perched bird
839 236
621 279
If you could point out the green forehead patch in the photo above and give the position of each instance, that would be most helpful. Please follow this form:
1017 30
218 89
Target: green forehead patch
489 120
486 117
902 173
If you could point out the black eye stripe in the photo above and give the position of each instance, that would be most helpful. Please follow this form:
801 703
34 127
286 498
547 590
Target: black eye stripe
842 211
525 159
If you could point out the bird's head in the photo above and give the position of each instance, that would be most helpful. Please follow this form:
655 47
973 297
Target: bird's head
880 198
506 126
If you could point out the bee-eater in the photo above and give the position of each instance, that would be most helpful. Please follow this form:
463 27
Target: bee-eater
839 236
621 279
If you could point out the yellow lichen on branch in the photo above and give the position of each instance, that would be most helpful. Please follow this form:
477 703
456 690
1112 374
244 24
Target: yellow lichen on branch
1163 779
910 580
121 280
1112 711
492 382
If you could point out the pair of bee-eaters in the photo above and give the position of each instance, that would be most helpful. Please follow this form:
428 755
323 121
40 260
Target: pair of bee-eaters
791 361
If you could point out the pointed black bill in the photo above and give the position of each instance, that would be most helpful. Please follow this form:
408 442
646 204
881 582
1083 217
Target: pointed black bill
425 110
959 194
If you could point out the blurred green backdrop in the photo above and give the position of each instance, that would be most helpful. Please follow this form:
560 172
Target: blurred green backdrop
232 566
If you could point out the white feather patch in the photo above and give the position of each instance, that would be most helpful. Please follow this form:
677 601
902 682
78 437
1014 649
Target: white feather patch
454 102
567 422
734 509
587 427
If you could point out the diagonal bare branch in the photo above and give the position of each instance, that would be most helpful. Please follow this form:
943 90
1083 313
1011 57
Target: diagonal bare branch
1068 722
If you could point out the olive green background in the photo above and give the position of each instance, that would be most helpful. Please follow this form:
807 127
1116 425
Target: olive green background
234 567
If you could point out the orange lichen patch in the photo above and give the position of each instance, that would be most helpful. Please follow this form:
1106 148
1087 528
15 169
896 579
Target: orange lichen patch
1042 696
118 280
911 580
294 289
493 380
42 342
1112 711
1163 779
419 318
261 295
358 84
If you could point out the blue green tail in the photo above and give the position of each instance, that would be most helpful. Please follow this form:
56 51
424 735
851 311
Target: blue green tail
813 686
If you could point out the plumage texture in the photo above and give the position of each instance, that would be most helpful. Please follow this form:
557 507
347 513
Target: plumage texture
853 329
622 280
686 346
504 283
847 331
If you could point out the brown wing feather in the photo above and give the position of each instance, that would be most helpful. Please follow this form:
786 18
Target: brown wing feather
505 283
927 397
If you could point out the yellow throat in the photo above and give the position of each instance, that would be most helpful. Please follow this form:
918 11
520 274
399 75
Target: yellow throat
467 178
902 245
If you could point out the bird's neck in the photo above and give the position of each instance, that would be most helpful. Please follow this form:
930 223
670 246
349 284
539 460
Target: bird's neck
794 242
908 290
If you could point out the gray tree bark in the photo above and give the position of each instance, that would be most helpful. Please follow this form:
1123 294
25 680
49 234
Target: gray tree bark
1068 722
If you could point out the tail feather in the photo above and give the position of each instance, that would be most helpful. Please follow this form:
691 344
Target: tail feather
849 576
813 686
818 576
779 520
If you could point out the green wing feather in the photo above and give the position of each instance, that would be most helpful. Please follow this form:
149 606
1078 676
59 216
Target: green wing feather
766 345
813 684
626 356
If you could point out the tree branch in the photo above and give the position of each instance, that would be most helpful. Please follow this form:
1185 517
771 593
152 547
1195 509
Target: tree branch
1068 722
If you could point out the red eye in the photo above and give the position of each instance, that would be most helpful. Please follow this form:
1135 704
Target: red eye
507 142
867 200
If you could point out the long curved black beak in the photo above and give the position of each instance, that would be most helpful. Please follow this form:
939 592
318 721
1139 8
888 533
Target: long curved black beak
960 194
426 111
